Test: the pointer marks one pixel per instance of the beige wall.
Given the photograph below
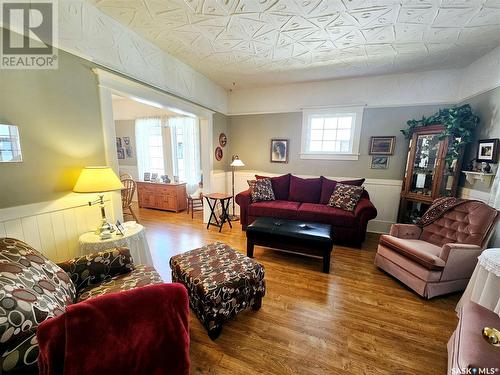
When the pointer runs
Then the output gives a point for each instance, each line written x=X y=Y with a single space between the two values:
x=487 y=106
x=250 y=137
x=220 y=125
x=126 y=128
x=59 y=120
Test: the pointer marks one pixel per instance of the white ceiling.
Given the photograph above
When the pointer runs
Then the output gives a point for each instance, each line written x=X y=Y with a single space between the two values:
x=264 y=42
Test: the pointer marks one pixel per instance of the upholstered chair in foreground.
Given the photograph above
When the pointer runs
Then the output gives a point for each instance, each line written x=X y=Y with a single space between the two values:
x=438 y=258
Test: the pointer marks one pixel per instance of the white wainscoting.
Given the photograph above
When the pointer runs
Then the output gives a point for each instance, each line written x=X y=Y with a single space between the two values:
x=53 y=227
x=383 y=193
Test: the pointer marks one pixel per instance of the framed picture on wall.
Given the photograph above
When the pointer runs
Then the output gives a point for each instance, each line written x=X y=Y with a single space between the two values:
x=279 y=150
x=379 y=162
x=222 y=140
x=487 y=150
x=382 y=145
x=121 y=153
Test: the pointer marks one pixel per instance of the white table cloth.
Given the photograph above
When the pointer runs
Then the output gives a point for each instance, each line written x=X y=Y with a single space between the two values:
x=134 y=238
x=484 y=285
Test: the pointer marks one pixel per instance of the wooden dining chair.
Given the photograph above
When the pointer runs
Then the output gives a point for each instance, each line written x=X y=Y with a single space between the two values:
x=194 y=204
x=127 y=195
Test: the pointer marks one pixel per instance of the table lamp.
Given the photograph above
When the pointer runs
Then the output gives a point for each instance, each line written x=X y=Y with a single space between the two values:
x=236 y=162
x=98 y=180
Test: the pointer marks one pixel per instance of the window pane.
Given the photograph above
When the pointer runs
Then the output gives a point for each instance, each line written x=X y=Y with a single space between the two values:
x=329 y=146
x=345 y=122
x=316 y=135
x=155 y=140
x=315 y=146
x=344 y=146
x=344 y=134
x=317 y=123
x=157 y=163
x=331 y=123
x=330 y=135
x=155 y=152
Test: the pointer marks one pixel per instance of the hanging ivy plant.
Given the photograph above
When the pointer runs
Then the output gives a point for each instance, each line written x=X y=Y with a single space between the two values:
x=459 y=124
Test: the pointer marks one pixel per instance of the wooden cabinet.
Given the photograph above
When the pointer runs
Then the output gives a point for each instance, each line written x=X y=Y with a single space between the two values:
x=428 y=174
x=169 y=197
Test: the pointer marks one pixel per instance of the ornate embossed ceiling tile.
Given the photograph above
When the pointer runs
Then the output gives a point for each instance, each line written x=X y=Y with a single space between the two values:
x=263 y=42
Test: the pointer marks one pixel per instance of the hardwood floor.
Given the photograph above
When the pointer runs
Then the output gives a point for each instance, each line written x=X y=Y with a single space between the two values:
x=355 y=320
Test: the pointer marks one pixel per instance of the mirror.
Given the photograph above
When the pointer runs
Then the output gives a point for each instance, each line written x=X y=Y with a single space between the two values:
x=10 y=147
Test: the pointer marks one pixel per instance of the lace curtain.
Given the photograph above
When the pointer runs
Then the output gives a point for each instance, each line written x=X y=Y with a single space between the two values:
x=495 y=202
x=146 y=155
x=185 y=133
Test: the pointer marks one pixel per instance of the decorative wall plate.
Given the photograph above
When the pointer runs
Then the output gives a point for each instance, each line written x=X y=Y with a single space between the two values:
x=222 y=139
x=218 y=154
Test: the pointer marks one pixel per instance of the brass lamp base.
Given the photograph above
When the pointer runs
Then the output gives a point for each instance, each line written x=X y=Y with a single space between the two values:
x=105 y=225
x=491 y=335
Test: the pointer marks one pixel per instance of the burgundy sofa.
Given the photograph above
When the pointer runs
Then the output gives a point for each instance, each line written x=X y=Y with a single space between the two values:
x=306 y=200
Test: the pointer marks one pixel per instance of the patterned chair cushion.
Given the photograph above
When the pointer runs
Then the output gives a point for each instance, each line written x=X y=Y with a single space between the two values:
x=32 y=289
x=261 y=190
x=95 y=268
x=220 y=281
x=141 y=276
x=346 y=197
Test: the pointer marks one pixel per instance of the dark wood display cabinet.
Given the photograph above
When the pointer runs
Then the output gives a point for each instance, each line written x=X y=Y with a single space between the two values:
x=428 y=174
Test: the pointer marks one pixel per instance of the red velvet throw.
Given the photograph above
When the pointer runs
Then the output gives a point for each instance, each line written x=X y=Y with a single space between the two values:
x=139 y=331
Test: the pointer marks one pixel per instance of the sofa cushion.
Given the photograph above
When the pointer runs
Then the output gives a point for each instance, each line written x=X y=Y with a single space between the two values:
x=419 y=251
x=328 y=186
x=261 y=190
x=33 y=288
x=346 y=197
x=281 y=209
x=281 y=186
x=305 y=190
x=320 y=213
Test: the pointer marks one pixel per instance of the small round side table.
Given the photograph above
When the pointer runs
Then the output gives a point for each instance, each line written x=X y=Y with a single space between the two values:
x=134 y=238
x=484 y=285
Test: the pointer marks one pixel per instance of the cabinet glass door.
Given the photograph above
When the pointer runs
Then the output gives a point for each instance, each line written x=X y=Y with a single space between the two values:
x=425 y=163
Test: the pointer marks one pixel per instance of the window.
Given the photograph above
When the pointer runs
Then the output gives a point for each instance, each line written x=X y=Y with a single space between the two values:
x=10 y=148
x=331 y=133
x=149 y=139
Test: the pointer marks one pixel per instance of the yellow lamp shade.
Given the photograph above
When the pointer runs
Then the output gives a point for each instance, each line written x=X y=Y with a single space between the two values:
x=97 y=180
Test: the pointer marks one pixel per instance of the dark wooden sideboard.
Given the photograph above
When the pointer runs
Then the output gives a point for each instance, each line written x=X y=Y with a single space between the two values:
x=169 y=197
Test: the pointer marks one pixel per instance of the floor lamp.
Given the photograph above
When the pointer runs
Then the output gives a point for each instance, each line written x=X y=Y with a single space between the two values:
x=236 y=162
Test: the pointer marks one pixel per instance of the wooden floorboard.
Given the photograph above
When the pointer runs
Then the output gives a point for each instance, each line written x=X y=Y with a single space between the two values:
x=355 y=320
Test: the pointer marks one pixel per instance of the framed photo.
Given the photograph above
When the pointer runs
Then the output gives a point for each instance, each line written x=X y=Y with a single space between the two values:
x=218 y=154
x=279 y=150
x=222 y=140
x=118 y=142
x=487 y=150
x=121 y=153
x=382 y=145
x=154 y=176
x=120 y=228
x=147 y=176
x=126 y=140
x=379 y=162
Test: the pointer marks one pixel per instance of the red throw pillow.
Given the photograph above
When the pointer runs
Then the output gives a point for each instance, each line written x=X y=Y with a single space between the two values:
x=305 y=190
x=281 y=186
x=346 y=197
x=328 y=186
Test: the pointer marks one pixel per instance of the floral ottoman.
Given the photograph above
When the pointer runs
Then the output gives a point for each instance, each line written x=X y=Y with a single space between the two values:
x=220 y=281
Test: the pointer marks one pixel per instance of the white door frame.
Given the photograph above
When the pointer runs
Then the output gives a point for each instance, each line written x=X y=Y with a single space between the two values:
x=110 y=83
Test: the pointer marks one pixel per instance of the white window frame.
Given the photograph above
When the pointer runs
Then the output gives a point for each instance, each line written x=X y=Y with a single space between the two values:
x=309 y=114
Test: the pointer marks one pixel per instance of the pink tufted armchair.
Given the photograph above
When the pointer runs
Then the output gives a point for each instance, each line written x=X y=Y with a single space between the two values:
x=438 y=258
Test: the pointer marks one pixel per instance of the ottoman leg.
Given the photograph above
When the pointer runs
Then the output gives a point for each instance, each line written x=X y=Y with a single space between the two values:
x=326 y=261
x=215 y=332
x=249 y=248
x=257 y=304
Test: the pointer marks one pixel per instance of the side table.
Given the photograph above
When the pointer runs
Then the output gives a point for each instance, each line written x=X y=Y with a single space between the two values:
x=212 y=200
x=484 y=285
x=134 y=238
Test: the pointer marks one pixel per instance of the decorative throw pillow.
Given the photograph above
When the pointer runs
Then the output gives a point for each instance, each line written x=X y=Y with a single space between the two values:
x=346 y=197
x=328 y=186
x=261 y=190
x=33 y=289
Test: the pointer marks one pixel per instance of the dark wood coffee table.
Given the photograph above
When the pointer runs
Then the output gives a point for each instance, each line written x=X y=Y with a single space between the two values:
x=292 y=235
